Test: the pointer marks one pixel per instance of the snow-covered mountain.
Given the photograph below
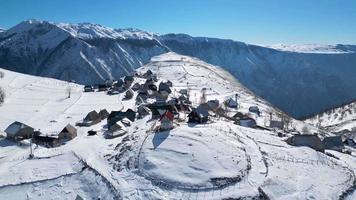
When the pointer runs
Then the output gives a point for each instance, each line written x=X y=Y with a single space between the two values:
x=314 y=48
x=217 y=160
x=301 y=84
x=340 y=120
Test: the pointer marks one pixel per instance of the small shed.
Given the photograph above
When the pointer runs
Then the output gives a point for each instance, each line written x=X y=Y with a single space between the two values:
x=18 y=131
x=247 y=122
x=102 y=87
x=308 y=140
x=68 y=133
x=231 y=103
x=254 y=109
x=198 y=115
x=88 y=88
x=350 y=142
x=129 y=94
x=333 y=143
x=276 y=124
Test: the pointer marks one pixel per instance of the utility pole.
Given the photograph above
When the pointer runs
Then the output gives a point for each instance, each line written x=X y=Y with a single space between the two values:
x=31 y=151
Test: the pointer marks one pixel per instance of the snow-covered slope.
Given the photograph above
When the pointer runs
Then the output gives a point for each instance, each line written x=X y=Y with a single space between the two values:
x=341 y=119
x=217 y=160
x=86 y=53
x=302 y=83
x=314 y=48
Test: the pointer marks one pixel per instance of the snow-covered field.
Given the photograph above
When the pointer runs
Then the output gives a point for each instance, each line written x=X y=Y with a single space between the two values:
x=216 y=160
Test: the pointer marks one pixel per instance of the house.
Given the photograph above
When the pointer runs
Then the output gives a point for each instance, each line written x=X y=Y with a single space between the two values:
x=116 y=116
x=142 y=111
x=276 y=124
x=45 y=140
x=92 y=118
x=129 y=94
x=231 y=103
x=102 y=87
x=152 y=87
x=103 y=114
x=118 y=83
x=136 y=87
x=213 y=104
x=19 y=131
x=88 y=88
x=116 y=130
x=148 y=74
x=164 y=87
x=198 y=115
x=333 y=143
x=254 y=109
x=113 y=92
x=238 y=116
x=68 y=133
x=247 y=122
x=167 y=121
x=128 y=80
x=308 y=140
x=158 y=108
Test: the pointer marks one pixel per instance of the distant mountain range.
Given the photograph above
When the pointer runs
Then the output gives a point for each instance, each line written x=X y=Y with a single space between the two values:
x=299 y=79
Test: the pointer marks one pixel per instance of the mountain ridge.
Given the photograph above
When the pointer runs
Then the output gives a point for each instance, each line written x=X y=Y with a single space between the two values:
x=299 y=83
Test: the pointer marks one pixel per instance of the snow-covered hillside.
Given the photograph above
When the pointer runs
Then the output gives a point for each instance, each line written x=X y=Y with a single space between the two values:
x=302 y=83
x=313 y=48
x=341 y=119
x=217 y=160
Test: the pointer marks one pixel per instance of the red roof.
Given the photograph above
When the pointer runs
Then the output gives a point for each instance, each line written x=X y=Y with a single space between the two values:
x=168 y=114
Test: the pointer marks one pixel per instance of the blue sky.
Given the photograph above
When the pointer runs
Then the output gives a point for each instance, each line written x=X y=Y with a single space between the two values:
x=252 y=21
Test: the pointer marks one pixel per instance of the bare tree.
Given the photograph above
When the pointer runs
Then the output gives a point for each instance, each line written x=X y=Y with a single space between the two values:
x=305 y=130
x=69 y=90
x=2 y=74
x=2 y=95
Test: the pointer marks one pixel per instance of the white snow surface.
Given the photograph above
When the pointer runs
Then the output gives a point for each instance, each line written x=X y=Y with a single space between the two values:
x=309 y=48
x=216 y=160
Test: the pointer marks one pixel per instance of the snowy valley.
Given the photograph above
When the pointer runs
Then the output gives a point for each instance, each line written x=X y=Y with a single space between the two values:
x=196 y=133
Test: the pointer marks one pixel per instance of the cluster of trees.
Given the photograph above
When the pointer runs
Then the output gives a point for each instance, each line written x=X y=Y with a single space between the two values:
x=2 y=92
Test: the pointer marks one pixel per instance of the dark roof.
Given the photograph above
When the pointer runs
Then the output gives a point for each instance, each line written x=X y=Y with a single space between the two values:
x=169 y=115
x=312 y=141
x=103 y=113
x=92 y=116
x=69 y=129
x=201 y=111
x=164 y=87
x=333 y=142
x=129 y=78
x=116 y=116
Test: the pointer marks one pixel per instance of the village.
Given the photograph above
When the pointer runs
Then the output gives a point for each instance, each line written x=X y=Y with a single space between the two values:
x=177 y=125
x=169 y=108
